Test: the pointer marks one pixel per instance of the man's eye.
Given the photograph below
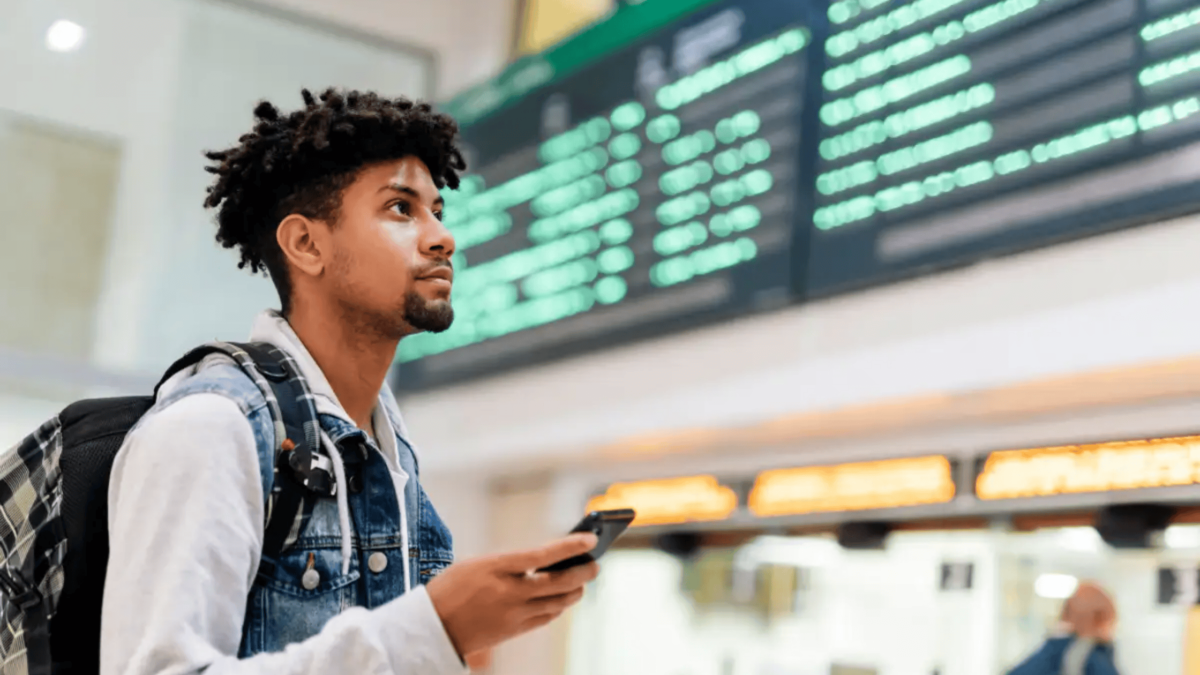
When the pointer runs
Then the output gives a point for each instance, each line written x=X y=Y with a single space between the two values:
x=438 y=214
x=402 y=208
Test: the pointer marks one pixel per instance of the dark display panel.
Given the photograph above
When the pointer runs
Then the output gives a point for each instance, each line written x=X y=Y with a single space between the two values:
x=957 y=129
x=757 y=153
x=659 y=188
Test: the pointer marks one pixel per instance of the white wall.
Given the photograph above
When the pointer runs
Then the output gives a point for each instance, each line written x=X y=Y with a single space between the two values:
x=463 y=501
x=1121 y=298
x=22 y=415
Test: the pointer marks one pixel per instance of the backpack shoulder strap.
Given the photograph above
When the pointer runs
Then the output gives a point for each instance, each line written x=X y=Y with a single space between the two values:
x=301 y=471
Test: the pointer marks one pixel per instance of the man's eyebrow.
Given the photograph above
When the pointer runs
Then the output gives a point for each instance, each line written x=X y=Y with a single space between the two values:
x=406 y=190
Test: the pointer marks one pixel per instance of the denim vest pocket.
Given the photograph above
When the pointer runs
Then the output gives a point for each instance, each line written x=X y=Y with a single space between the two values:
x=282 y=610
x=432 y=565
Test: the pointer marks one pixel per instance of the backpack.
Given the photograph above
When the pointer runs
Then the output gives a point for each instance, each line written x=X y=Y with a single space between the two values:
x=54 y=508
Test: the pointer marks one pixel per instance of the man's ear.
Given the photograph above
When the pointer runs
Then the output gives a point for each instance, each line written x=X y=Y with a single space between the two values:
x=300 y=240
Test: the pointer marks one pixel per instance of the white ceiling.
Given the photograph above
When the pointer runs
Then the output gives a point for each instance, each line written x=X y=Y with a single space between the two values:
x=472 y=38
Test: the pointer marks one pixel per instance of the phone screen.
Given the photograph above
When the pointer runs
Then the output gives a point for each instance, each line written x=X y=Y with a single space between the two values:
x=607 y=526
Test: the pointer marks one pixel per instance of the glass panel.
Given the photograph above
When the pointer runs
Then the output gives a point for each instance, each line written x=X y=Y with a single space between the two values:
x=57 y=192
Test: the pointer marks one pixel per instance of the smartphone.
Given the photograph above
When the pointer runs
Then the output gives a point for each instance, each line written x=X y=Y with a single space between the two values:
x=606 y=525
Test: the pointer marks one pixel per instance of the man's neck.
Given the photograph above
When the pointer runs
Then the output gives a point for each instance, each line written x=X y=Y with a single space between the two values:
x=355 y=364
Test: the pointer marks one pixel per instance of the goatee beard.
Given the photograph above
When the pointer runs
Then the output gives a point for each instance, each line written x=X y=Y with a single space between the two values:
x=431 y=316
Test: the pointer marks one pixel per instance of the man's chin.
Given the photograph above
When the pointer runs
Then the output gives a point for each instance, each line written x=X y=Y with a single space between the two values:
x=429 y=316
x=439 y=328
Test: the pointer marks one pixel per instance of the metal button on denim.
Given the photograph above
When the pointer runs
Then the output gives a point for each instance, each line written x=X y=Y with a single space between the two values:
x=377 y=562
x=310 y=579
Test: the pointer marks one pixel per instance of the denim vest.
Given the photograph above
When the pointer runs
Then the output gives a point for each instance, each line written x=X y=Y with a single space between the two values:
x=280 y=610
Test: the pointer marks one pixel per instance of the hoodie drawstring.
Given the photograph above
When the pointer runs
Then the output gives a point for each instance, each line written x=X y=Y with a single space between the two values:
x=339 y=474
x=343 y=502
x=404 y=540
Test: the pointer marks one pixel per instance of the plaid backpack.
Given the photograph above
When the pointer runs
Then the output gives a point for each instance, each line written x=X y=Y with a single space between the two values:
x=54 y=504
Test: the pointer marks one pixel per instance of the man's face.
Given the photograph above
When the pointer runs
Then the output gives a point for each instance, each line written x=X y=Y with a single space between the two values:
x=391 y=263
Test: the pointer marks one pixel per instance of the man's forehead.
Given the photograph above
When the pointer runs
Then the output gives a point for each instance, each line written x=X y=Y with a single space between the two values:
x=409 y=168
x=409 y=172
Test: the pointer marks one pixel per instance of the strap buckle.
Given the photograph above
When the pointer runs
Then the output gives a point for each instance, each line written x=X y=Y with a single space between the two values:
x=312 y=470
x=20 y=594
x=28 y=600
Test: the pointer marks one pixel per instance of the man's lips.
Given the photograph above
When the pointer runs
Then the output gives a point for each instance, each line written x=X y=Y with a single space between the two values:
x=443 y=273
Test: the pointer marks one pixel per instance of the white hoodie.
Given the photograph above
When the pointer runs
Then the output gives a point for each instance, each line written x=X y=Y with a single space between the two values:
x=186 y=526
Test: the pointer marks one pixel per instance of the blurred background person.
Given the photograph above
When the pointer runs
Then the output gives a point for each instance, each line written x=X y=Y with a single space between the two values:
x=1085 y=646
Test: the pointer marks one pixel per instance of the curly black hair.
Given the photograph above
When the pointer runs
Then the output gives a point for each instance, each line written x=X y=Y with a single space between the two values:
x=301 y=162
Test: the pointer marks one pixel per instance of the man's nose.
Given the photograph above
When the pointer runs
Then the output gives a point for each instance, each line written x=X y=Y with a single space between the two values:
x=437 y=239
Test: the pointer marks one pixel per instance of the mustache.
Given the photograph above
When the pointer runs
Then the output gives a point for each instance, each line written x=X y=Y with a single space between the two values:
x=443 y=263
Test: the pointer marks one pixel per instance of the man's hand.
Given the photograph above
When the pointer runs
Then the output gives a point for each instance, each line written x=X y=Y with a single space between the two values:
x=485 y=601
x=479 y=661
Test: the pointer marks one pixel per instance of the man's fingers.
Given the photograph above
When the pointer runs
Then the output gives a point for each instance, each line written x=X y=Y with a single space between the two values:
x=548 y=584
x=537 y=622
x=553 y=605
x=555 y=551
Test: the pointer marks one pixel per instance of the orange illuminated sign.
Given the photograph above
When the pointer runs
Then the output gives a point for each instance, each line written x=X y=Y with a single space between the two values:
x=669 y=501
x=853 y=487
x=1071 y=469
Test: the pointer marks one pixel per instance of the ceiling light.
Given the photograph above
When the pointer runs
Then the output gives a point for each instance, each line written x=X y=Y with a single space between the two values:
x=64 y=36
x=1182 y=536
x=1055 y=586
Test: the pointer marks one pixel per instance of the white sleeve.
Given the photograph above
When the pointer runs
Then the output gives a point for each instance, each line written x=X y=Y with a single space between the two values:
x=186 y=527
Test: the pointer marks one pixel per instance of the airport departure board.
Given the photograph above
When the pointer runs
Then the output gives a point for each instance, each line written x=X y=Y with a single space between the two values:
x=655 y=189
x=955 y=129
x=741 y=155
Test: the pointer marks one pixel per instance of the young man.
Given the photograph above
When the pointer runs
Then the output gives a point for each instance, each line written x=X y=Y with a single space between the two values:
x=339 y=203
